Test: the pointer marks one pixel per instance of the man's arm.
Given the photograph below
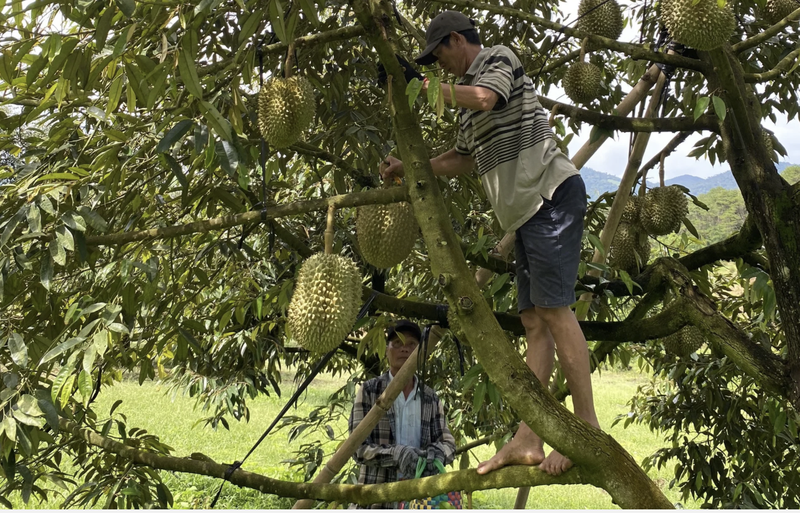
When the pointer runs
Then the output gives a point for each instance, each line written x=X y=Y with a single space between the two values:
x=443 y=445
x=449 y=163
x=469 y=97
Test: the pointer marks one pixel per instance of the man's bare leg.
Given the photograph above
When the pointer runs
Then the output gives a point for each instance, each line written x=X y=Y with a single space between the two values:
x=573 y=354
x=526 y=448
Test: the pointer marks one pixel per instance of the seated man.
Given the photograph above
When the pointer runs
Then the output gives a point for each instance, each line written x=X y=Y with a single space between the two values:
x=414 y=426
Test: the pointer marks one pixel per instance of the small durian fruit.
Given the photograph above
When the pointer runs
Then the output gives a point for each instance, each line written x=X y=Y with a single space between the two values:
x=632 y=208
x=582 y=82
x=699 y=24
x=605 y=20
x=683 y=342
x=325 y=304
x=386 y=233
x=663 y=210
x=285 y=109
x=630 y=249
x=779 y=9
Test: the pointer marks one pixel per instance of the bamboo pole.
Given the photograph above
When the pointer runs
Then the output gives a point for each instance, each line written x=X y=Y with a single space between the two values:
x=368 y=423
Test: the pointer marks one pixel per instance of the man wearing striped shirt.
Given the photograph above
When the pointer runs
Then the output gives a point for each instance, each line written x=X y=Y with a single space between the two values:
x=534 y=190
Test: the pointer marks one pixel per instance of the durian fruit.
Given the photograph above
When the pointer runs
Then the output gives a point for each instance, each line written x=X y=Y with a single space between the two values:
x=605 y=20
x=326 y=300
x=663 y=210
x=632 y=208
x=684 y=342
x=630 y=248
x=285 y=109
x=582 y=82
x=779 y=9
x=386 y=233
x=702 y=25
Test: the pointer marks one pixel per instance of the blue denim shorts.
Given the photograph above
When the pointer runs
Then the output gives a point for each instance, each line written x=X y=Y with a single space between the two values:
x=548 y=248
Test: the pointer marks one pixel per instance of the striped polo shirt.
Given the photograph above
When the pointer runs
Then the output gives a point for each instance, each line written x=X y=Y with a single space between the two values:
x=517 y=158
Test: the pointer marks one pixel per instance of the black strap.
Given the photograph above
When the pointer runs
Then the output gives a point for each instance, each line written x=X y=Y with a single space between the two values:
x=316 y=370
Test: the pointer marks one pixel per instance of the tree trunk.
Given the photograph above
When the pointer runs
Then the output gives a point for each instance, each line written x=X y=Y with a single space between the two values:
x=769 y=199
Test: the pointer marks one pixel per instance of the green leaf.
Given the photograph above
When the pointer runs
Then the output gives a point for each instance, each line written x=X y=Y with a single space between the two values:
x=310 y=11
x=177 y=172
x=215 y=120
x=276 y=19
x=595 y=240
x=434 y=91
x=690 y=227
x=33 y=71
x=103 y=25
x=719 y=107
x=57 y=252
x=206 y=5
x=61 y=349
x=412 y=91
x=34 y=219
x=74 y=221
x=66 y=391
x=65 y=238
x=228 y=157
x=10 y=227
x=10 y=427
x=701 y=106
x=49 y=411
x=126 y=6
x=188 y=70
x=626 y=279
x=174 y=134
x=85 y=385
x=60 y=380
x=94 y=219
x=480 y=394
x=19 y=351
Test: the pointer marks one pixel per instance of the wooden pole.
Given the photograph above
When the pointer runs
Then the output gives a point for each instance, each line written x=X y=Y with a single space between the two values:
x=368 y=423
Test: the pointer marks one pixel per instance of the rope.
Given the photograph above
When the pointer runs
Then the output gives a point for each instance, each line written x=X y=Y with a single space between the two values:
x=316 y=370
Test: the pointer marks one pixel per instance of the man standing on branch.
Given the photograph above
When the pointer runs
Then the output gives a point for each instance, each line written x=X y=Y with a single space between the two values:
x=536 y=191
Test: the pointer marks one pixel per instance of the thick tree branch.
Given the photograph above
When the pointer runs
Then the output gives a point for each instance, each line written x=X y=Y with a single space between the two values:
x=626 y=124
x=782 y=67
x=355 y=199
x=767 y=34
x=632 y=50
x=467 y=480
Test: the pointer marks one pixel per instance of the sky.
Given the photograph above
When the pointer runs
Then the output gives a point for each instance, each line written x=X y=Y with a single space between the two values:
x=613 y=155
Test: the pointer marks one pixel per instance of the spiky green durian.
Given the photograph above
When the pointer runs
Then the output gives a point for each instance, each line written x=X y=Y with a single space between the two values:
x=779 y=9
x=582 y=82
x=630 y=249
x=663 y=210
x=386 y=233
x=684 y=342
x=632 y=208
x=325 y=304
x=699 y=24
x=285 y=109
x=605 y=20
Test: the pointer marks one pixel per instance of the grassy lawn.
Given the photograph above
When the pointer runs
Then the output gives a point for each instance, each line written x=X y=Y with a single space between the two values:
x=172 y=418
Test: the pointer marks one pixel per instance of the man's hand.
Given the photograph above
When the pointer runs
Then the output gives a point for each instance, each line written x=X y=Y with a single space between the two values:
x=392 y=168
x=408 y=71
x=406 y=458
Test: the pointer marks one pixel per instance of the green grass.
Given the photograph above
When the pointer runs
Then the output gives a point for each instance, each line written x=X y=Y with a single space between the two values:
x=172 y=419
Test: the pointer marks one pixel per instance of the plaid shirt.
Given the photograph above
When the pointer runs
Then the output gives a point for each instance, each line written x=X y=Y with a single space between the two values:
x=374 y=455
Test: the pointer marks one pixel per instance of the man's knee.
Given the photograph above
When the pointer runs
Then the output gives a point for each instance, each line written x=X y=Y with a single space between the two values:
x=550 y=316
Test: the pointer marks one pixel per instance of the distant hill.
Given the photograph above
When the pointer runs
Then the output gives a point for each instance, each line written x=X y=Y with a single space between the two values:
x=597 y=182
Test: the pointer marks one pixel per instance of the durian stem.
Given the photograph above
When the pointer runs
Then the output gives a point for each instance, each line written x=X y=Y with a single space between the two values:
x=553 y=113
x=584 y=44
x=288 y=66
x=661 y=170
x=329 y=230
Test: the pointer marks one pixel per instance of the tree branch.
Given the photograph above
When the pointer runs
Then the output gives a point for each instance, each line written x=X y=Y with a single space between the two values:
x=767 y=34
x=671 y=146
x=782 y=67
x=355 y=199
x=626 y=124
x=632 y=50
x=467 y=480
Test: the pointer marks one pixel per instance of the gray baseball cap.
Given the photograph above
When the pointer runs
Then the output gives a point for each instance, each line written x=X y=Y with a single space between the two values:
x=440 y=28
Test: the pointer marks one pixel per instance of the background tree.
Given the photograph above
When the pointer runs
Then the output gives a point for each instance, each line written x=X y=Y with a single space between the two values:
x=146 y=228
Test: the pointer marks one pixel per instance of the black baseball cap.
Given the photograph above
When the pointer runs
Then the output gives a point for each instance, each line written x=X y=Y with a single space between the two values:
x=403 y=326
x=440 y=28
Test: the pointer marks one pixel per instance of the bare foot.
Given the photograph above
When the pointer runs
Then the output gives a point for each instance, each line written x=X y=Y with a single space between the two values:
x=524 y=449
x=556 y=463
